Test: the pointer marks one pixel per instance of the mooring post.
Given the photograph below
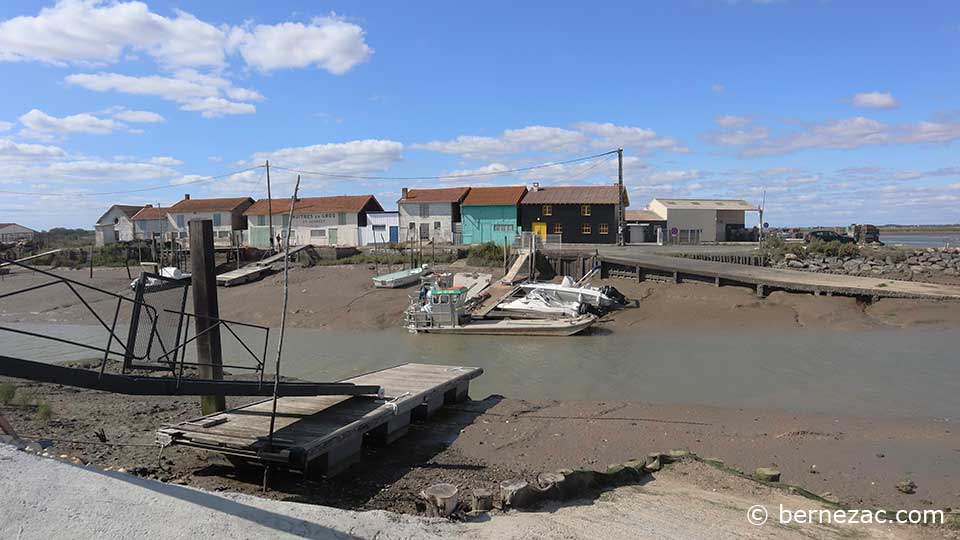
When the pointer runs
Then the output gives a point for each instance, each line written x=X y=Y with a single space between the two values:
x=204 y=281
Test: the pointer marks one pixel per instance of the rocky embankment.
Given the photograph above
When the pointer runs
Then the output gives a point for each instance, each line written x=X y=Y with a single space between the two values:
x=919 y=264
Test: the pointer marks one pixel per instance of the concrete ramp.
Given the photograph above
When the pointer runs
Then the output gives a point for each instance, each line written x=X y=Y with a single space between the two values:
x=518 y=271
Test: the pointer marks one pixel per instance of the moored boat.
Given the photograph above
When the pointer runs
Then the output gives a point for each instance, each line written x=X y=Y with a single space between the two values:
x=401 y=278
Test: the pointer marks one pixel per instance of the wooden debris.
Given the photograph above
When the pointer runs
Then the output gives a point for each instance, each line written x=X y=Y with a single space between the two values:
x=441 y=499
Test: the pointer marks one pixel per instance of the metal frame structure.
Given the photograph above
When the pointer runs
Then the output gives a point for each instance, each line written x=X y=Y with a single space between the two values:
x=169 y=358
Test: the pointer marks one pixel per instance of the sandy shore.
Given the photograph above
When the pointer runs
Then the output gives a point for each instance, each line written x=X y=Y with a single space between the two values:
x=343 y=298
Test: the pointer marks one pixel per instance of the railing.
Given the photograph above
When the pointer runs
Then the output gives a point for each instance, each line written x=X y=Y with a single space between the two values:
x=159 y=325
x=544 y=242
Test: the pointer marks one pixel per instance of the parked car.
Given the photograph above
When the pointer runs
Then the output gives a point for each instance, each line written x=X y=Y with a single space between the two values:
x=828 y=236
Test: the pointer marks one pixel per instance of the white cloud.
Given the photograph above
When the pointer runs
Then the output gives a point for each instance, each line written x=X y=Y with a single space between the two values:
x=468 y=145
x=139 y=117
x=738 y=137
x=329 y=43
x=193 y=90
x=874 y=100
x=349 y=158
x=92 y=32
x=613 y=136
x=511 y=141
x=39 y=122
x=215 y=159
x=93 y=170
x=102 y=32
x=11 y=151
x=165 y=160
x=718 y=88
x=731 y=121
x=669 y=177
x=98 y=32
x=5 y=126
x=487 y=171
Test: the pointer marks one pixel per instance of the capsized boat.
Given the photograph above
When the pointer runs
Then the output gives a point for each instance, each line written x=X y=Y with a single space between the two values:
x=401 y=278
x=443 y=311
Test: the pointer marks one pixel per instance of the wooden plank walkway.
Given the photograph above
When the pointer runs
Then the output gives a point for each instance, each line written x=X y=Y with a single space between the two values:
x=242 y=275
x=279 y=256
x=323 y=434
x=766 y=280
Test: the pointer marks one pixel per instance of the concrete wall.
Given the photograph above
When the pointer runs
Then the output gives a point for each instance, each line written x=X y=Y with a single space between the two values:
x=378 y=227
x=113 y=227
x=492 y=223
x=439 y=219
x=320 y=229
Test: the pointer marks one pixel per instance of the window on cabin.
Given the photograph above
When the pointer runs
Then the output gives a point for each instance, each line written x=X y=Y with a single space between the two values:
x=341 y=218
x=318 y=233
x=585 y=228
x=223 y=234
x=604 y=229
x=216 y=219
x=547 y=210
x=261 y=220
x=285 y=219
x=424 y=210
x=436 y=225
x=585 y=210
x=379 y=228
x=557 y=228
x=180 y=221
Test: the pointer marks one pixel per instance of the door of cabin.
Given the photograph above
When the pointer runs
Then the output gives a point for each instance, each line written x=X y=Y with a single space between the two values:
x=332 y=237
x=540 y=229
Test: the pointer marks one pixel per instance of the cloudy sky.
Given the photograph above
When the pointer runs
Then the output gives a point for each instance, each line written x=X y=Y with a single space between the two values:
x=840 y=111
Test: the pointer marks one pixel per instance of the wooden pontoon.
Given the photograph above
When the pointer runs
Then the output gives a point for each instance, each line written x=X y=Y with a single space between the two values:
x=323 y=434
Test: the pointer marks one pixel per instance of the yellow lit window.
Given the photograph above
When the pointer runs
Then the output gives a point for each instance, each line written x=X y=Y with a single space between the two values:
x=557 y=228
x=585 y=228
x=584 y=209
x=547 y=210
x=604 y=229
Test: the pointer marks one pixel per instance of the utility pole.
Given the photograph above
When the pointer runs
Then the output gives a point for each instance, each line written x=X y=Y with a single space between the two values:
x=270 y=208
x=207 y=311
x=620 y=209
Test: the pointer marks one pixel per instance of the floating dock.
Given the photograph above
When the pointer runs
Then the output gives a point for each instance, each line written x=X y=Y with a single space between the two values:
x=324 y=434
x=255 y=271
x=766 y=280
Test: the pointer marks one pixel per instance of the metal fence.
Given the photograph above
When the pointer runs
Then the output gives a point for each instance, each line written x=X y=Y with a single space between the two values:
x=543 y=242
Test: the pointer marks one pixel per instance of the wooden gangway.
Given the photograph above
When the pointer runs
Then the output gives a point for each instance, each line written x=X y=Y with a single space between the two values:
x=644 y=266
x=257 y=270
x=324 y=434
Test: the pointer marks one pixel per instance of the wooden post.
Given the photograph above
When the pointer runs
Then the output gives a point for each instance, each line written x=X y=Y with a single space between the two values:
x=91 y=262
x=204 y=278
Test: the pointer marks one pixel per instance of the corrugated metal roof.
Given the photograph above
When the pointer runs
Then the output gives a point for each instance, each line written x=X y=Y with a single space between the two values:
x=150 y=213
x=314 y=205
x=707 y=204
x=575 y=195
x=447 y=195
x=643 y=215
x=209 y=205
x=498 y=196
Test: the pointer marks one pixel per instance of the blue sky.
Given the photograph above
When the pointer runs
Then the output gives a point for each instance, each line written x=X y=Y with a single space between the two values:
x=840 y=111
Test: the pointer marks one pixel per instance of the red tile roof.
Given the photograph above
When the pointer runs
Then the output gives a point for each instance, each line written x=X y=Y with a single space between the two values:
x=209 y=205
x=441 y=195
x=150 y=213
x=313 y=205
x=574 y=195
x=496 y=196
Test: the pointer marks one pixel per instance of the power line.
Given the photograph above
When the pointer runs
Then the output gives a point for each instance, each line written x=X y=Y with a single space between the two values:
x=447 y=176
x=141 y=190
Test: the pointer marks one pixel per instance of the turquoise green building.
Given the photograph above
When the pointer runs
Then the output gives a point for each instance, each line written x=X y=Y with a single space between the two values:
x=489 y=214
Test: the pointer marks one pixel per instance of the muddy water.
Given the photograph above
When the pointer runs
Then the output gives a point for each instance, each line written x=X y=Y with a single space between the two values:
x=881 y=373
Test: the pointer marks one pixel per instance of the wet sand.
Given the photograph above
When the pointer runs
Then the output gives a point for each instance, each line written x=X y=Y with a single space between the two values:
x=857 y=459
x=343 y=298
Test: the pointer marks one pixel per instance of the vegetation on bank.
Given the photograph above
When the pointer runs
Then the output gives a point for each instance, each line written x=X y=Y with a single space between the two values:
x=775 y=249
x=487 y=254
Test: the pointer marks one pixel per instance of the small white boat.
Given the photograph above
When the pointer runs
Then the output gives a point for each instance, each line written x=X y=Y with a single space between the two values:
x=401 y=278
x=442 y=311
x=168 y=272
x=537 y=303
x=515 y=327
x=562 y=293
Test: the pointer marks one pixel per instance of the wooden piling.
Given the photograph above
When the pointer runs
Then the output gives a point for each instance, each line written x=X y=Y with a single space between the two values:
x=207 y=310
